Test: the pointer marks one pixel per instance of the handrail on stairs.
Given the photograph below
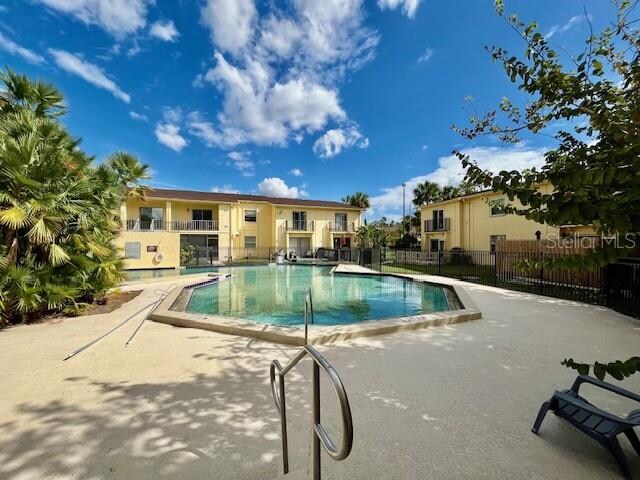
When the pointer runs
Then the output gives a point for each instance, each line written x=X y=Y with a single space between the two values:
x=277 y=374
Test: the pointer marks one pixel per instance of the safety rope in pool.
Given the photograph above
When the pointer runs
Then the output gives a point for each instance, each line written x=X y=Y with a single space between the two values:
x=207 y=282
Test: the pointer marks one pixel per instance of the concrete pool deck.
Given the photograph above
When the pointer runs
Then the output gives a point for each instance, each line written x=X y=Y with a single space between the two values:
x=455 y=402
x=172 y=312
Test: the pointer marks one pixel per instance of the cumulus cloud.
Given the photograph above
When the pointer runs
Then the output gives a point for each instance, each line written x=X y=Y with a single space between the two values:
x=88 y=71
x=296 y=172
x=231 y=22
x=450 y=172
x=572 y=22
x=278 y=72
x=426 y=55
x=242 y=162
x=13 y=48
x=169 y=135
x=226 y=188
x=276 y=187
x=164 y=30
x=335 y=140
x=141 y=117
x=408 y=7
x=118 y=17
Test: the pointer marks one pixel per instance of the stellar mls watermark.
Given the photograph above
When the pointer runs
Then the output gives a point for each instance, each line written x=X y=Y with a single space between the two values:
x=590 y=242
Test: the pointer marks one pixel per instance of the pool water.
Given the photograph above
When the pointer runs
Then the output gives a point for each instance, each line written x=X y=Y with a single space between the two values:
x=275 y=295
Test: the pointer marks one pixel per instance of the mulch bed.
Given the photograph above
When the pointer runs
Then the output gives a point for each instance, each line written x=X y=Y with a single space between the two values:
x=114 y=300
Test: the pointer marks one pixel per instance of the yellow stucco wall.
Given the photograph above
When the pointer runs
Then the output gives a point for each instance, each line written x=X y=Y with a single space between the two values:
x=232 y=230
x=471 y=222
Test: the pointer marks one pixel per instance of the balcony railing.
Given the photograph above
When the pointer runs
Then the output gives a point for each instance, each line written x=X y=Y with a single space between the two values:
x=348 y=227
x=135 y=224
x=194 y=225
x=441 y=225
x=299 y=226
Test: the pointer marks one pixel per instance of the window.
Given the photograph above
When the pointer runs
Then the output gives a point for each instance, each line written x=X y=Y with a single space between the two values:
x=495 y=239
x=497 y=207
x=200 y=214
x=299 y=220
x=250 y=242
x=151 y=218
x=250 y=215
x=438 y=220
x=341 y=222
x=132 y=250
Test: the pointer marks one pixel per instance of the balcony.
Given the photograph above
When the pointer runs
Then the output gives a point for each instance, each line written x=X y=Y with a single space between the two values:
x=441 y=225
x=344 y=227
x=299 y=226
x=137 y=225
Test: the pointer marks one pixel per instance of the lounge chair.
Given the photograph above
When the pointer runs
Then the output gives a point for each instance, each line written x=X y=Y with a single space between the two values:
x=598 y=424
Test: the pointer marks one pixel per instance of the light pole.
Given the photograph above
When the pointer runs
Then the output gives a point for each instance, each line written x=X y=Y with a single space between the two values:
x=403 y=205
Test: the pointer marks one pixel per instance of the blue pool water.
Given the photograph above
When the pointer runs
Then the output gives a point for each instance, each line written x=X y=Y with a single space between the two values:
x=275 y=295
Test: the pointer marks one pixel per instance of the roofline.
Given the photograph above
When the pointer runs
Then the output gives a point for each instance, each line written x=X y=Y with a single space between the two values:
x=249 y=198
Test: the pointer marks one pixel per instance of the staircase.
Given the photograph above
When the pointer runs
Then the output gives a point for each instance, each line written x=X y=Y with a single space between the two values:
x=321 y=437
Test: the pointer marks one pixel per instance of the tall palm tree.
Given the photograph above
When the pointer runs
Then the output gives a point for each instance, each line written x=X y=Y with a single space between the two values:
x=358 y=199
x=426 y=192
x=450 y=192
x=58 y=213
x=130 y=171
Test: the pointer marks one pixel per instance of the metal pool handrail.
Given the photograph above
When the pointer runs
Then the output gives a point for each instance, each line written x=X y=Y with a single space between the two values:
x=308 y=312
x=320 y=434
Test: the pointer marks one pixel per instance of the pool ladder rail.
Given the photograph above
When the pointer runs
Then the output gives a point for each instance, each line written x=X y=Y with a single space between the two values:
x=320 y=435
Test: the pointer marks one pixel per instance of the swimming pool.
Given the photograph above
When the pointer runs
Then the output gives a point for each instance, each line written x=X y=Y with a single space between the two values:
x=275 y=295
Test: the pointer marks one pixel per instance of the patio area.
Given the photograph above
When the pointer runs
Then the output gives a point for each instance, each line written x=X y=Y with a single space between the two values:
x=454 y=401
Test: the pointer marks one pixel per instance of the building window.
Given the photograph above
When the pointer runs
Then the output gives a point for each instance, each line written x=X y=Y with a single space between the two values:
x=200 y=214
x=151 y=218
x=494 y=240
x=132 y=250
x=250 y=215
x=250 y=242
x=497 y=207
x=341 y=222
x=299 y=220
x=438 y=220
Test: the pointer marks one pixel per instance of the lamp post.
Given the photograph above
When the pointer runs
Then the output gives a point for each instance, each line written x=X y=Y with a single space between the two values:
x=403 y=204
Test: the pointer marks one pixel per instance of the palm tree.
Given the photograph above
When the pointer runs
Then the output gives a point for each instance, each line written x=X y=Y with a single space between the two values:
x=450 y=192
x=426 y=192
x=58 y=213
x=130 y=171
x=358 y=199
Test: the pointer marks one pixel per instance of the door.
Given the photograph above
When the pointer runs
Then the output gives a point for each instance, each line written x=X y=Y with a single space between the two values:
x=300 y=221
x=336 y=243
x=437 y=245
x=300 y=246
x=151 y=218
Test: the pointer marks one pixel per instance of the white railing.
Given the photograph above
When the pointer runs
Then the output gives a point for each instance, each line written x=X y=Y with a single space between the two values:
x=349 y=227
x=135 y=224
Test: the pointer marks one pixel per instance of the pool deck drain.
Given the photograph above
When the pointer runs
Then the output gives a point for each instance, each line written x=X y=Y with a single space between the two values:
x=171 y=311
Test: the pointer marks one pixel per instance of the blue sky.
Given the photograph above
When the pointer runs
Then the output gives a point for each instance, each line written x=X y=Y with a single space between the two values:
x=292 y=98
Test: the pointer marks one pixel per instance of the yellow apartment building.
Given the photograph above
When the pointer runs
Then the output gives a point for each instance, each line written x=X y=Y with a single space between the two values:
x=224 y=226
x=476 y=222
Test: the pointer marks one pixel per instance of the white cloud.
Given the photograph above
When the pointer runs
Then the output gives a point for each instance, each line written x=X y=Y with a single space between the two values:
x=276 y=187
x=164 y=30
x=337 y=139
x=572 y=22
x=118 y=17
x=141 y=117
x=13 y=48
x=169 y=135
x=278 y=72
x=451 y=172
x=426 y=56
x=408 y=7
x=226 y=188
x=231 y=22
x=296 y=172
x=87 y=71
x=242 y=162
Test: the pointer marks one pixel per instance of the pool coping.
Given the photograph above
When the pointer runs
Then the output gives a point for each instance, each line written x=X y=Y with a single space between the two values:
x=167 y=313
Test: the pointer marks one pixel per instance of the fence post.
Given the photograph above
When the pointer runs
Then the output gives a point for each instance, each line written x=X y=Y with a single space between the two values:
x=440 y=255
x=541 y=279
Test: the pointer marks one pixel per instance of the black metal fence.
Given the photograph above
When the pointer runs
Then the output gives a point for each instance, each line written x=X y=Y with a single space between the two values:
x=616 y=285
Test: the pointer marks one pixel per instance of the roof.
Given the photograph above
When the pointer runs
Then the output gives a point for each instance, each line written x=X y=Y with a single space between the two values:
x=238 y=197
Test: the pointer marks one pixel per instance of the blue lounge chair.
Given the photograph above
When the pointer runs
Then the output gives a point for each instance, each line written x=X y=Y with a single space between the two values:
x=598 y=424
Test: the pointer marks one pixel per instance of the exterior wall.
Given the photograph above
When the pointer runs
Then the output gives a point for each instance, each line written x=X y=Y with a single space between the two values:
x=232 y=230
x=471 y=223
x=168 y=244
x=321 y=236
